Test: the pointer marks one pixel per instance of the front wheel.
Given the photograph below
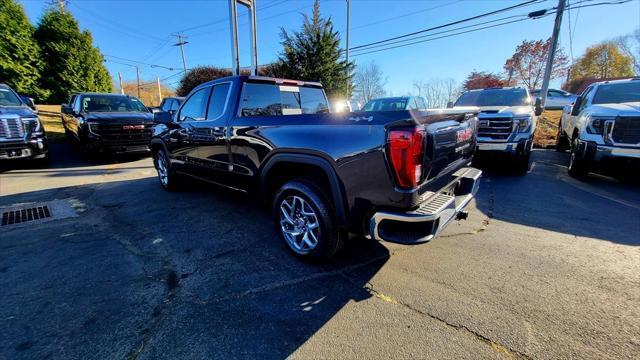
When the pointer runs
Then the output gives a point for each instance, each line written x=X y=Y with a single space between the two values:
x=562 y=142
x=578 y=167
x=167 y=177
x=305 y=221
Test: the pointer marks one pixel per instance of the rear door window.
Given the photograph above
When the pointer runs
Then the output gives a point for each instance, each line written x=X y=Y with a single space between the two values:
x=218 y=101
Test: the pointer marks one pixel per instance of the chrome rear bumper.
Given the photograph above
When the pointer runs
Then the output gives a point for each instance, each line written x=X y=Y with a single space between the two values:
x=433 y=215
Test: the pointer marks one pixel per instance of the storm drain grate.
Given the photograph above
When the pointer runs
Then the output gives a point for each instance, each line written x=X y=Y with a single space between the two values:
x=24 y=215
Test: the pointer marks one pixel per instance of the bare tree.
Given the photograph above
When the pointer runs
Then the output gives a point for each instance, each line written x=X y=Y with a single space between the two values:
x=630 y=46
x=437 y=92
x=369 y=82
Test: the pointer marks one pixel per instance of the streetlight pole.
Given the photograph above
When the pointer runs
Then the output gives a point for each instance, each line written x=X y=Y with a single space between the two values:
x=347 y=51
x=552 y=51
x=138 y=78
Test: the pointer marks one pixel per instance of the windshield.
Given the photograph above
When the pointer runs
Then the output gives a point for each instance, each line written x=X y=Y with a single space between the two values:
x=388 y=104
x=8 y=97
x=111 y=103
x=494 y=97
x=617 y=93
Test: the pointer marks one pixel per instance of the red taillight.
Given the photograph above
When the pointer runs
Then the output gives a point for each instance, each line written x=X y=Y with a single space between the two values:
x=406 y=152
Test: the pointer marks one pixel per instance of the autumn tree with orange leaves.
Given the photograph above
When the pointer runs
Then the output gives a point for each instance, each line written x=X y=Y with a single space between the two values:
x=529 y=61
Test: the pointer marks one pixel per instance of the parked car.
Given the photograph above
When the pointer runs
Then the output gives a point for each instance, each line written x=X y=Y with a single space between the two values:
x=506 y=123
x=169 y=104
x=325 y=174
x=111 y=123
x=602 y=128
x=396 y=103
x=556 y=99
x=22 y=134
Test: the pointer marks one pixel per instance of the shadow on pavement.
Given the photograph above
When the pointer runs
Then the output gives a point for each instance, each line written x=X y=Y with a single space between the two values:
x=143 y=273
x=548 y=198
x=64 y=155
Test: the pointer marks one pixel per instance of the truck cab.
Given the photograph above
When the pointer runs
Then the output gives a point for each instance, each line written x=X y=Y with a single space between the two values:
x=602 y=128
x=506 y=121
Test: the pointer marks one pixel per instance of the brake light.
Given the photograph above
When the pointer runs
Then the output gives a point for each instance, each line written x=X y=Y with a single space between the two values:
x=406 y=153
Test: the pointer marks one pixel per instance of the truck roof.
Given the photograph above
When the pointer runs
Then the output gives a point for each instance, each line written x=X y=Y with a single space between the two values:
x=618 y=81
x=267 y=79
x=497 y=88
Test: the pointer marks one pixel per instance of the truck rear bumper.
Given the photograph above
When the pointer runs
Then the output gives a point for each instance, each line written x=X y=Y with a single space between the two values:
x=433 y=215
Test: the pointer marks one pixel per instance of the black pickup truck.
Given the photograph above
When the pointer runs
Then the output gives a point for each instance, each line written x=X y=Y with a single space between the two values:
x=111 y=123
x=397 y=176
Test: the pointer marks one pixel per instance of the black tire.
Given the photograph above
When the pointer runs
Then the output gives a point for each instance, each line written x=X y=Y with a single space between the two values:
x=562 y=141
x=522 y=163
x=329 y=240
x=578 y=167
x=169 y=180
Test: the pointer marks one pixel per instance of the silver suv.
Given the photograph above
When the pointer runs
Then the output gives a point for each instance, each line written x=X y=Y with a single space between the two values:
x=506 y=122
x=602 y=128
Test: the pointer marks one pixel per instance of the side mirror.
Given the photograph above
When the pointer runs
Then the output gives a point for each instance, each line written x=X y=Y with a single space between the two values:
x=567 y=109
x=29 y=101
x=449 y=104
x=575 y=110
x=538 y=107
x=65 y=109
x=162 y=117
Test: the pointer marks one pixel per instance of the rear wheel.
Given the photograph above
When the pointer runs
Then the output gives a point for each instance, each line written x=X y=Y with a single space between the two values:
x=304 y=219
x=578 y=167
x=167 y=177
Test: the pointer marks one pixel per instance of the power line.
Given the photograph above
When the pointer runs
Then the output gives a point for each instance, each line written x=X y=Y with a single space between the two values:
x=448 y=24
x=406 y=15
x=170 y=68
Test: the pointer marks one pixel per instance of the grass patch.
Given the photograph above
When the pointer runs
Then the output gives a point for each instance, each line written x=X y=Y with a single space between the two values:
x=50 y=117
x=547 y=128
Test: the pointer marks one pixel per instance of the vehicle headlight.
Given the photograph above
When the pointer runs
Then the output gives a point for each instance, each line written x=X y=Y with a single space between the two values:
x=524 y=123
x=595 y=124
x=32 y=124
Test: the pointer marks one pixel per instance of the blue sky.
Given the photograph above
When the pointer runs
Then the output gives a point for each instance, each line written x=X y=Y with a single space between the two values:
x=142 y=31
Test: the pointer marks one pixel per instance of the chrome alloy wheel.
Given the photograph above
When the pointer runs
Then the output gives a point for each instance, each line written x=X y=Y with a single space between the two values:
x=299 y=224
x=163 y=169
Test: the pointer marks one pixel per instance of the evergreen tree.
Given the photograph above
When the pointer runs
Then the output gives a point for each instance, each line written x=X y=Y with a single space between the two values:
x=72 y=63
x=314 y=54
x=19 y=54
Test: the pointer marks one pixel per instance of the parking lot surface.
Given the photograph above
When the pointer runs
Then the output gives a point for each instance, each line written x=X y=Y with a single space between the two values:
x=546 y=267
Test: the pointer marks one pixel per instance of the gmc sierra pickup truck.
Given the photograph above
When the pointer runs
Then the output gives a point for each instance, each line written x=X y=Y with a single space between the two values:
x=111 y=123
x=398 y=176
x=602 y=128
x=22 y=135
x=506 y=123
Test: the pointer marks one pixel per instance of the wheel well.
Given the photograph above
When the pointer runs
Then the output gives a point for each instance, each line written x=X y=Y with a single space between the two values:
x=155 y=147
x=285 y=171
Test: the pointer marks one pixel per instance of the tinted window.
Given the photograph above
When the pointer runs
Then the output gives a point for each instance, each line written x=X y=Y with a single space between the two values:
x=111 y=103
x=196 y=106
x=617 y=93
x=268 y=99
x=555 y=93
x=313 y=101
x=387 y=104
x=218 y=101
x=494 y=97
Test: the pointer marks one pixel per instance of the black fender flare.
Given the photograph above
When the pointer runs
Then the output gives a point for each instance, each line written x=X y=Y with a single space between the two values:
x=337 y=192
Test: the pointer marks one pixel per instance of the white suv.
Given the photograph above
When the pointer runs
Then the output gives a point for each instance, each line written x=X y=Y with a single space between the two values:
x=602 y=128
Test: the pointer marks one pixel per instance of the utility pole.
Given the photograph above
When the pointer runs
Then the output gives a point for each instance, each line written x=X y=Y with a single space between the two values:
x=552 y=51
x=138 y=77
x=159 y=90
x=347 y=50
x=181 y=42
x=253 y=26
x=120 y=78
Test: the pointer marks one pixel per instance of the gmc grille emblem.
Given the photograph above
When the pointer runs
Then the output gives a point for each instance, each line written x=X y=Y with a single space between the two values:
x=464 y=135
x=132 y=127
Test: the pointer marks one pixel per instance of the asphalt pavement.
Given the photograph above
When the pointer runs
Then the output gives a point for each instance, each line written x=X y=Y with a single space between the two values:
x=546 y=266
